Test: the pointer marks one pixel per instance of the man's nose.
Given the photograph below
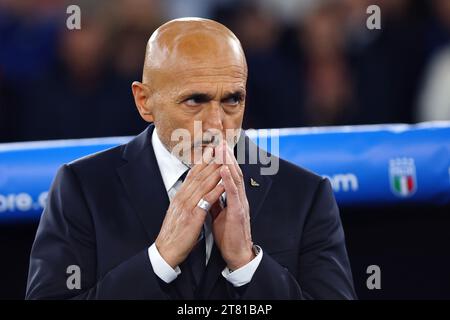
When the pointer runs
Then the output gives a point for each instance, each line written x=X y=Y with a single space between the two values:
x=214 y=116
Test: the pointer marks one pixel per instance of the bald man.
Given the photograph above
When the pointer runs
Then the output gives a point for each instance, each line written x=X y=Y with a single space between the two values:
x=168 y=218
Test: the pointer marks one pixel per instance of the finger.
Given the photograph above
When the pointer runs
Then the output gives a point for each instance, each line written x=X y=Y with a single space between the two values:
x=204 y=187
x=193 y=179
x=220 y=153
x=232 y=164
x=233 y=200
x=235 y=162
x=191 y=191
x=223 y=154
x=195 y=175
x=207 y=157
x=236 y=172
x=212 y=196
x=201 y=171
x=216 y=208
x=208 y=154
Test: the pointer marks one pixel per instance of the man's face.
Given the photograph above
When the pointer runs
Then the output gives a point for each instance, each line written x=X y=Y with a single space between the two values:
x=210 y=93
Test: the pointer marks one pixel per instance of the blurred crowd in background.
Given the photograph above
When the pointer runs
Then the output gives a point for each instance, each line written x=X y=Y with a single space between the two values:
x=311 y=62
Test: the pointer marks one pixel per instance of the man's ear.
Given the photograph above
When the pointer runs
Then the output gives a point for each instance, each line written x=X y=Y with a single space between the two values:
x=142 y=95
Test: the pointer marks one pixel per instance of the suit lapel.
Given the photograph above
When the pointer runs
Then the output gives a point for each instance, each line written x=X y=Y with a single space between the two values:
x=143 y=183
x=256 y=185
x=144 y=187
x=256 y=188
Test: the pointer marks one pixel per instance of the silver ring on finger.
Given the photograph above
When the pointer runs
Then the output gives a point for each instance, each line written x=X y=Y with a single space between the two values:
x=205 y=205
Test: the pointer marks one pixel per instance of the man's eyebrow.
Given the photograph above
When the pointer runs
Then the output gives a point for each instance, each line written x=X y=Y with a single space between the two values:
x=234 y=94
x=202 y=96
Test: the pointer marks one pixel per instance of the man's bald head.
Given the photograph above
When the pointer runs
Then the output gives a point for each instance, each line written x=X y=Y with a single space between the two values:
x=194 y=72
x=191 y=43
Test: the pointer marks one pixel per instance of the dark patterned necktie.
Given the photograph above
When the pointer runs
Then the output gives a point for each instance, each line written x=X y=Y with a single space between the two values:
x=197 y=259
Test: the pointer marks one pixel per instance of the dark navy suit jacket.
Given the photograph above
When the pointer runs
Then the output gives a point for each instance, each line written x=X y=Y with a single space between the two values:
x=105 y=210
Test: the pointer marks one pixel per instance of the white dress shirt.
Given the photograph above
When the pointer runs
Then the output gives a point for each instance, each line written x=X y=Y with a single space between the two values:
x=172 y=169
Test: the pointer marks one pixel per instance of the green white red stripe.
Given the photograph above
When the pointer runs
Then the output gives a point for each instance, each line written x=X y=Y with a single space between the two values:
x=403 y=185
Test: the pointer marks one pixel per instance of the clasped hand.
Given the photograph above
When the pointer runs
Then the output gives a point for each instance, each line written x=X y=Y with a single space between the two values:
x=230 y=225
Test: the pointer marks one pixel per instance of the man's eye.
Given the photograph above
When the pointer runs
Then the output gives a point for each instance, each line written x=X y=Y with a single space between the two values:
x=196 y=100
x=193 y=102
x=232 y=101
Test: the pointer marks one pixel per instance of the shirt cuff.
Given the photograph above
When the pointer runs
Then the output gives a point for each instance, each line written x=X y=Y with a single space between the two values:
x=244 y=274
x=161 y=268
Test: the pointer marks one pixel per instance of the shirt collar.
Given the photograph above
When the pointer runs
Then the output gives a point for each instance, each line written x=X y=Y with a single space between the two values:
x=171 y=167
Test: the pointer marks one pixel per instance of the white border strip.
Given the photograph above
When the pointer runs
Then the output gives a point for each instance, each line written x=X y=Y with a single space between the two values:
x=32 y=145
x=396 y=128
x=252 y=133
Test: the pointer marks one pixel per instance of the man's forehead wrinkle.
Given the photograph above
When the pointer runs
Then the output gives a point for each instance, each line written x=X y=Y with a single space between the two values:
x=209 y=79
x=205 y=71
x=236 y=78
x=200 y=82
